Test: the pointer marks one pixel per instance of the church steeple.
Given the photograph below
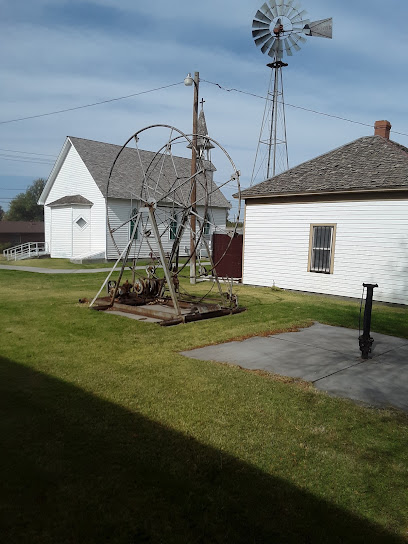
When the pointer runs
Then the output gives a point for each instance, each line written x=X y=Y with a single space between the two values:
x=202 y=142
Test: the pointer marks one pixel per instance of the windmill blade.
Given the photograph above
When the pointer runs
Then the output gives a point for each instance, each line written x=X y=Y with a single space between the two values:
x=261 y=17
x=299 y=17
x=287 y=7
x=259 y=25
x=280 y=50
x=296 y=8
x=320 y=29
x=274 y=10
x=261 y=41
x=265 y=9
x=293 y=43
x=279 y=7
x=298 y=37
x=273 y=51
x=267 y=45
x=300 y=21
x=287 y=48
x=261 y=33
x=301 y=24
x=292 y=14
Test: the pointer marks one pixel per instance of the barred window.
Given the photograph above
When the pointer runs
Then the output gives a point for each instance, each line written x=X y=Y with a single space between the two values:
x=207 y=225
x=173 y=227
x=322 y=248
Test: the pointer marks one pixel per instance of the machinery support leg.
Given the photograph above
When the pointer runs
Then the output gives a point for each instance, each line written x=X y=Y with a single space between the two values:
x=164 y=262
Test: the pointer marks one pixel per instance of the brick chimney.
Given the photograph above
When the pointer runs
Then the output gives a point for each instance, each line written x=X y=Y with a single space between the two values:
x=382 y=128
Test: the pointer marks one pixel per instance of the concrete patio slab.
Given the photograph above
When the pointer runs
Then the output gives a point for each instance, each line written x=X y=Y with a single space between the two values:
x=340 y=340
x=330 y=358
x=275 y=354
x=374 y=384
x=136 y=317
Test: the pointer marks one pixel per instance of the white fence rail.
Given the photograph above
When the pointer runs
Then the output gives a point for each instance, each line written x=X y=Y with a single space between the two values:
x=26 y=251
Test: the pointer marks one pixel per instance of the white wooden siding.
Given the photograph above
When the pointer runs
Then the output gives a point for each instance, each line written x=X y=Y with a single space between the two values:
x=74 y=178
x=61 y=233
x=119 y=213
x=371 y=247
x=47 y=226
x=81 y=235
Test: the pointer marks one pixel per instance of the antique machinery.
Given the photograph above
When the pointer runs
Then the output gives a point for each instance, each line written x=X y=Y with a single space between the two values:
x=159 y=187
x=278 y=28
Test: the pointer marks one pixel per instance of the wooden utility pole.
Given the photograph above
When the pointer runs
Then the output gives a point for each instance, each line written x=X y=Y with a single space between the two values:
x=193 y=182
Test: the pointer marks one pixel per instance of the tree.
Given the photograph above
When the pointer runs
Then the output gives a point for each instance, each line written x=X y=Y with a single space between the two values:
x=24 y=206
x=1 y=213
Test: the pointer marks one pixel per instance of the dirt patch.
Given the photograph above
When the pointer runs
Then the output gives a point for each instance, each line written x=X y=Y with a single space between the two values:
x=261 y=334
x=303 y=384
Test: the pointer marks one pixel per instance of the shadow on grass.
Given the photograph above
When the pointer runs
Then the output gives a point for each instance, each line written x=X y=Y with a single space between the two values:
x=78 y=469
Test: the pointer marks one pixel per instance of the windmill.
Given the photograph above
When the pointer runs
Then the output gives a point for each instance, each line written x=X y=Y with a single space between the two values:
x=279 y=27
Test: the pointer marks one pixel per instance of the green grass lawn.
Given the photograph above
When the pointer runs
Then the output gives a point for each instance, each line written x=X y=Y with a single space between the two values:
x=109 y=435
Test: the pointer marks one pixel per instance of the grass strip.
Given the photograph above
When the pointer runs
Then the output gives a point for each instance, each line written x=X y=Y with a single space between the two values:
x=109 y=435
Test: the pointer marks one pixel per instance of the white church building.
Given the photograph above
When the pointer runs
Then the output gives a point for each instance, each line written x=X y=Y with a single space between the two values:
x=78 y=201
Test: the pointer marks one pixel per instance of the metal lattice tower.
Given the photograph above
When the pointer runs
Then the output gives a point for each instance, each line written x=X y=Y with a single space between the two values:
x=272 y=151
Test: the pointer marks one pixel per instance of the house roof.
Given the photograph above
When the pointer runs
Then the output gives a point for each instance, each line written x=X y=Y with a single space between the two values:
x=371 y=163
x=71 y=200
x=128 y=176
x=13 y=227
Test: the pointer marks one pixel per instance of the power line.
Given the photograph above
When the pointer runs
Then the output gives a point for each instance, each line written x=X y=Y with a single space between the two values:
x=28 y=152
x=28 y=161
x=89 y=105
x=17 y=157
x=298 y=107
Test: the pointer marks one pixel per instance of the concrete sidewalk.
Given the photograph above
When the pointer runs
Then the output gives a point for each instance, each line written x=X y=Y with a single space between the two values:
x=61 y=270
x=64 y=270
x=54 y=270
x=329 y=357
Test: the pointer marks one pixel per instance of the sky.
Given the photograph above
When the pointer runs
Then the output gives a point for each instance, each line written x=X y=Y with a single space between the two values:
x=58 y=54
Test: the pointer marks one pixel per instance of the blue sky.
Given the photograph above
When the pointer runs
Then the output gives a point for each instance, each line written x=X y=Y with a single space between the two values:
x=59 y=54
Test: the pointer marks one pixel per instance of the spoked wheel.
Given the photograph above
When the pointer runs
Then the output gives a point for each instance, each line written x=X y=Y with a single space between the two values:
x=164 y=179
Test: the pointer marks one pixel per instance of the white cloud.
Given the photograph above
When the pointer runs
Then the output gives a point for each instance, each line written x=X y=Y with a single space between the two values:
x=47 y=67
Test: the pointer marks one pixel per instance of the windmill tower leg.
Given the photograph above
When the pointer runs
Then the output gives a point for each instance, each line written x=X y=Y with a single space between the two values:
x=272 y=151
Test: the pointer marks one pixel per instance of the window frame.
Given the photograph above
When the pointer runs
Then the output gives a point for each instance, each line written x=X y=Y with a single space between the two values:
x=173 y=227
x=133 y=212
x=332 y=247
x=79 y=218
x=207 y=225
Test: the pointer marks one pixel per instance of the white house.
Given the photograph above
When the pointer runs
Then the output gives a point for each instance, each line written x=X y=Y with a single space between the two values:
x=333 y=223
x=78 y=201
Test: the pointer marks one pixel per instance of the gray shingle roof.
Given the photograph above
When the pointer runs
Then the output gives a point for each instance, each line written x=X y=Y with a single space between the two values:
x=367 y=164
x=127 y=179
x=71 y=200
